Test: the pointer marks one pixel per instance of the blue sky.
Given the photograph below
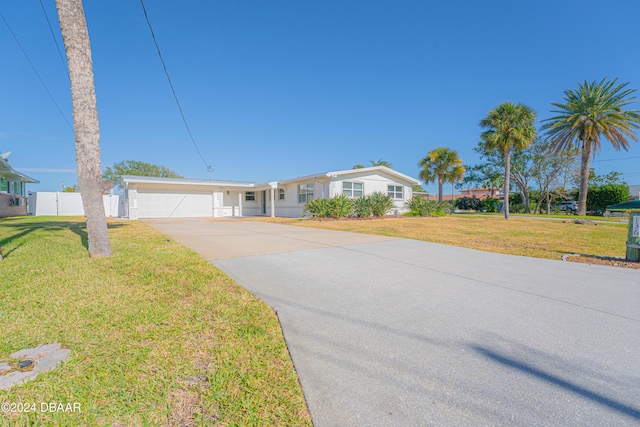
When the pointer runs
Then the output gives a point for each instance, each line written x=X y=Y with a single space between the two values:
x=278 y=89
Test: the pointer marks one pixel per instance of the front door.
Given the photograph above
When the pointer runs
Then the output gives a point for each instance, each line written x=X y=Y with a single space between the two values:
x=264 y=202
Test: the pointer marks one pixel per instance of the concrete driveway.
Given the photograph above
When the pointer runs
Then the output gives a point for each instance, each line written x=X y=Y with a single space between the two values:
x=396 y=332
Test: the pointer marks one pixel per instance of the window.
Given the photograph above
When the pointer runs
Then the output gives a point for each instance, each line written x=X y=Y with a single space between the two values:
x=395 y=191
x=250 y=195
x=305 y=193
x=353 y=189
x=281 y=194
x=3 y=185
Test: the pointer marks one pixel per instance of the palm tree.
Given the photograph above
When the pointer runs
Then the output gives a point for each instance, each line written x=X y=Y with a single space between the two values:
x=438 y=165
x=85 y=120
x=454 y=175
x=509 y=126
x=381 y=162
x=589 y=112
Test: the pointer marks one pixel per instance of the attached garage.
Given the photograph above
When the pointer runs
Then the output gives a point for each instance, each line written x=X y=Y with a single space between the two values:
x=174 y=203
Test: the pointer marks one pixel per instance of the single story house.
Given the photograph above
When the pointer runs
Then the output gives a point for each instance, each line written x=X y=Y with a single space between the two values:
x=13 y=189
x=148 y=197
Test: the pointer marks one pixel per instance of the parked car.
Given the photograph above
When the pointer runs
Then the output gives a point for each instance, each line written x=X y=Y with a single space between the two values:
x=569 y=207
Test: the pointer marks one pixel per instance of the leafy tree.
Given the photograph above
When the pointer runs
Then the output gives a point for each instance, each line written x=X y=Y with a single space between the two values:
x=135 y=168
x=86 y=127
x=606 y=190
x=73 y=189
x=358 y=166
x=417 y=188
x=509 y=127
x=592 y=111
x=546 y=168
x=440 y=164
x=380 y=162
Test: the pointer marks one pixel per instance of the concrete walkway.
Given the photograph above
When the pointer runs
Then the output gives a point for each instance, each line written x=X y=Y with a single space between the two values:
x=398 y=332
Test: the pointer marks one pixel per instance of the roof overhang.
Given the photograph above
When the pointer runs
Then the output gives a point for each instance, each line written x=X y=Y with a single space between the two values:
x=10 y=174
x=129 y=179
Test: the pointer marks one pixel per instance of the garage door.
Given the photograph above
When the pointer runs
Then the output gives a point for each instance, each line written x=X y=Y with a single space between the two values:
x=174 y=203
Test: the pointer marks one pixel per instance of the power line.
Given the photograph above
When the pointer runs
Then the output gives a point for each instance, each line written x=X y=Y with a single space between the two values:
x=620 y=158
x=36 y=71
x=64 y=63
x=172 y=88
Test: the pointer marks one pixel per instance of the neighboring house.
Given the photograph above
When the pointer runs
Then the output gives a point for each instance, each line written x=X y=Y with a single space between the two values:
x=13 y=189
x=634 y=190
x=147 y=197
x=480 y=193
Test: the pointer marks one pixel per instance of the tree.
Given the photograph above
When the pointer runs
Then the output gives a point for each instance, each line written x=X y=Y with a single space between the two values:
x=439 y=164
x=86 y=127
x=454 y=175
x=135 y=168
x=509 y=126
x=592 y=111
x=546 y=168
x=380 y=162
x=358 y=166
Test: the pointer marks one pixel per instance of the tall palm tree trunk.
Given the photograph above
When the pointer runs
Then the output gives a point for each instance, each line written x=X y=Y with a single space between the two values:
x=507 y=177
x=85 y=122
x=585 y=165
x=440 y=179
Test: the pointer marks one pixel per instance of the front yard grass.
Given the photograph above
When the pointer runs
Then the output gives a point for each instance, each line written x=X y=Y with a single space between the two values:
x=518 y=236
x=158 y=336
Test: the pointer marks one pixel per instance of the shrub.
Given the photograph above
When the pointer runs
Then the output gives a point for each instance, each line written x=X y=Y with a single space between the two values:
x=468 y=203
x=380 y=203
x=419 y=206
x=489 y=204
x=362 y=207
x=336 y=207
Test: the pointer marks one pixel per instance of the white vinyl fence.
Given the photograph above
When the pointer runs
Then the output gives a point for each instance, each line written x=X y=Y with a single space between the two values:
x=43 y=203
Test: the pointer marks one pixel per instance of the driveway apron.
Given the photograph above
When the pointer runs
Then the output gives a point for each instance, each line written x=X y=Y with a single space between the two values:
x=397 y=332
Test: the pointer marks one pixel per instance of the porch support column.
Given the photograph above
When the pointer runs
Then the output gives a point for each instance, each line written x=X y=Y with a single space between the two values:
x=239 y=203
x=273 y=202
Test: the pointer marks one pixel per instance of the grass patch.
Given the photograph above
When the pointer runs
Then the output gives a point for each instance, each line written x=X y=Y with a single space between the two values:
x=158 y=336
x=519 y=236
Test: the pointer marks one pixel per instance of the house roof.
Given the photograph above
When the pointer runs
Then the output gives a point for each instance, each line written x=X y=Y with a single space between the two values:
x=185 y=181
x=10 y=174
x=348 y=172
x=244 y=184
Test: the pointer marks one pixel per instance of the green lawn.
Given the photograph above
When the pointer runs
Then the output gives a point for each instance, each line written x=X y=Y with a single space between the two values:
x=158 y=336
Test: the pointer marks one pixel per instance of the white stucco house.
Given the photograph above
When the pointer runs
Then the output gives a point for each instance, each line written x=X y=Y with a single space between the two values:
x=147 y=197
x=13 y=189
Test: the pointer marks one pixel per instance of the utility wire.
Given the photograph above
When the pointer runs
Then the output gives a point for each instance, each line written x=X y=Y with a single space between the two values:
x=36 y=71
x=172 y=88
x=64 y=62
x=620 y=158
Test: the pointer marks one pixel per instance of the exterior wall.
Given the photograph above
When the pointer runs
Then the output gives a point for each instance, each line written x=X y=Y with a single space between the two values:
x=374 y=183
x=156 y=201
x=6 y=208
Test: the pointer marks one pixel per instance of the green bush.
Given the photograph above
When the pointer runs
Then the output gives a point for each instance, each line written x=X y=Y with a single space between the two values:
x=336 y=207
x=362 y=207
x=489 y=204
x=468 y=203
x=380 y=202
x=419 y=206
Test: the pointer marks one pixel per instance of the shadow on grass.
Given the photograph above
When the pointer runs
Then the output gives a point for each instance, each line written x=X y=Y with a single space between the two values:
x=24 y=227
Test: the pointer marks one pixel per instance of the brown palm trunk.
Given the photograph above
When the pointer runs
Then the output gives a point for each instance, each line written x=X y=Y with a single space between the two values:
x=85 y=122
x=440 y=189
x=507 y=176
x=584 y=177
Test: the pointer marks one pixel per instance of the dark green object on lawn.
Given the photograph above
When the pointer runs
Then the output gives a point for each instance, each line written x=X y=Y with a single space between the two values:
x=633 y=238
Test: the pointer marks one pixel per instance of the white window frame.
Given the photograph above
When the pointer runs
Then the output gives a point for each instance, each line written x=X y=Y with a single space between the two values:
x=351 y=192
x=280 y=193
x=306 y=195
x=250 y=196
x=392 y=190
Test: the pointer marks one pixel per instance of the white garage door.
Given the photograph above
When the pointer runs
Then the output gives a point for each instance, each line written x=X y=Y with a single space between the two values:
x=174 y=203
